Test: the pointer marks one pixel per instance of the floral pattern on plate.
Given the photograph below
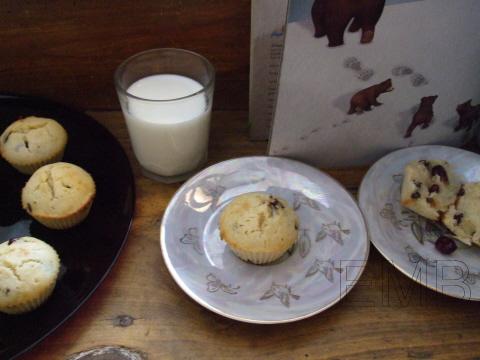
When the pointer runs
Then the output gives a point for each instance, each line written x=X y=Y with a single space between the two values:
x=214 y=284
x=281 y=292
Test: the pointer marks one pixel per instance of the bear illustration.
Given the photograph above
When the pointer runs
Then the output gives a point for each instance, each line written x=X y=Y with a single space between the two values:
x=366 y=98
x=331 y=18
x=468 y=115
x=423 y=116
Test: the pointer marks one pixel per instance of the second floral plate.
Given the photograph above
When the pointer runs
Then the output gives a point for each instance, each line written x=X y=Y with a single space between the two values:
x=327 y=260
x=406 y=239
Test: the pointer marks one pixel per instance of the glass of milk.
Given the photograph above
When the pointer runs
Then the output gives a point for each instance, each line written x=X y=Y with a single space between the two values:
x=166 y=97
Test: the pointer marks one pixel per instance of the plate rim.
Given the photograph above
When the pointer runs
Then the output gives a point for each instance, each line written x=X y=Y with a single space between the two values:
x=377 y=246
x=72 y=109
x=178 y=280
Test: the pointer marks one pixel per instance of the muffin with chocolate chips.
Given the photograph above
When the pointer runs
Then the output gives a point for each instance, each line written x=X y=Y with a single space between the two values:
x=59 y=195
x=259 y=227
x=462 y=217
x=29 y=143
x=429 y=188
x=28 y=272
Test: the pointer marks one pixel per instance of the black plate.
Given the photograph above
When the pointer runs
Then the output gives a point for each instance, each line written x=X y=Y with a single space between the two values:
x=87 y=251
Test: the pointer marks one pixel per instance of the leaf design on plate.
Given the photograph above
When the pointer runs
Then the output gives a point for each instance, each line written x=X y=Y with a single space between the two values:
x=469 y=278
x=285 y=299
x=304 y=244
x=328 y=272
x=229 y=289
x=296 y=201
x=190 y=237
x=414 y=257
x=197 y=247
x=312 y=203
x=325 y=267
x=321 y=235
x=214 y=284
x=337 y=236
x=313 y=269
x=334 y=230
x=211 y=277
x=431 y=228
x=417 y=231
x=281 y=292
x=299 y=199
x=268 y=294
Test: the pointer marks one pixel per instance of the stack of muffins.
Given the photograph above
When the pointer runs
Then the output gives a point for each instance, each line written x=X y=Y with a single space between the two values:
x=59 y=195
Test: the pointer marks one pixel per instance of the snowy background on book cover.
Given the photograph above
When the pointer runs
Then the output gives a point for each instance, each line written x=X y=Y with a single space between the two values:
x=426 y=47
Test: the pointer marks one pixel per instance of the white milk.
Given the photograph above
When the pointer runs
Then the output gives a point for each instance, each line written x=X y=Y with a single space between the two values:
x=171 y=137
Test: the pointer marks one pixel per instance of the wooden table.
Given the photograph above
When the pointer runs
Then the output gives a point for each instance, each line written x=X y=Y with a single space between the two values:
x=140 y=307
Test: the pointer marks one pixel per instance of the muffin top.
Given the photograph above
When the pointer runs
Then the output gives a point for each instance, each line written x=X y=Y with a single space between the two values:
x=32 y=139
x=58 y=190
x=27 y=266
x=259 y=222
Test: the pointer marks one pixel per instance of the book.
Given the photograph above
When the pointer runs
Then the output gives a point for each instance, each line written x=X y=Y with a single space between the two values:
x=362 y=78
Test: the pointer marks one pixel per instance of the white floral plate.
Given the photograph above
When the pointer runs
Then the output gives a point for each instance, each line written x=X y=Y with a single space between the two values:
x=328 y=259
x=408 y=240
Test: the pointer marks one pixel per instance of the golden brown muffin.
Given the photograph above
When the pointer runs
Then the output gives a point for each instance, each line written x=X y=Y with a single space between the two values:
x=259 y=227
x=28 y=272
x=59 y=195
x=27 y=144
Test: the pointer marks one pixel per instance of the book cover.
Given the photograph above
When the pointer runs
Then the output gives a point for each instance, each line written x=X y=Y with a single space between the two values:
x=361 y=78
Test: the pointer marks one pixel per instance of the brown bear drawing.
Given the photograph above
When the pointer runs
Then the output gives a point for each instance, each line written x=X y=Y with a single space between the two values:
x=331 y=18
x=423 y=116
x=468 y=115
x=366 y=98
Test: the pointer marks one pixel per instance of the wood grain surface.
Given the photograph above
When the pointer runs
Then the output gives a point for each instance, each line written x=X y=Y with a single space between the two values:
x=139 y=306
x=68 y=50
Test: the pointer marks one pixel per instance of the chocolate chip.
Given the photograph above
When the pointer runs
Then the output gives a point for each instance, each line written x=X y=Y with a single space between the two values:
x=434 y=188
x=418 y=184
x=430 y=200
x=275 y=203
x=441 y=172
x=29 y=207
x=12 y=240
x=458 y=218
x=416 y=195
x=461 y=192
x=7 y=291
x=26 y=143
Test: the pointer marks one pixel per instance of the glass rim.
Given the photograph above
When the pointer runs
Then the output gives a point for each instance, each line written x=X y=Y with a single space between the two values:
x=124 y=64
